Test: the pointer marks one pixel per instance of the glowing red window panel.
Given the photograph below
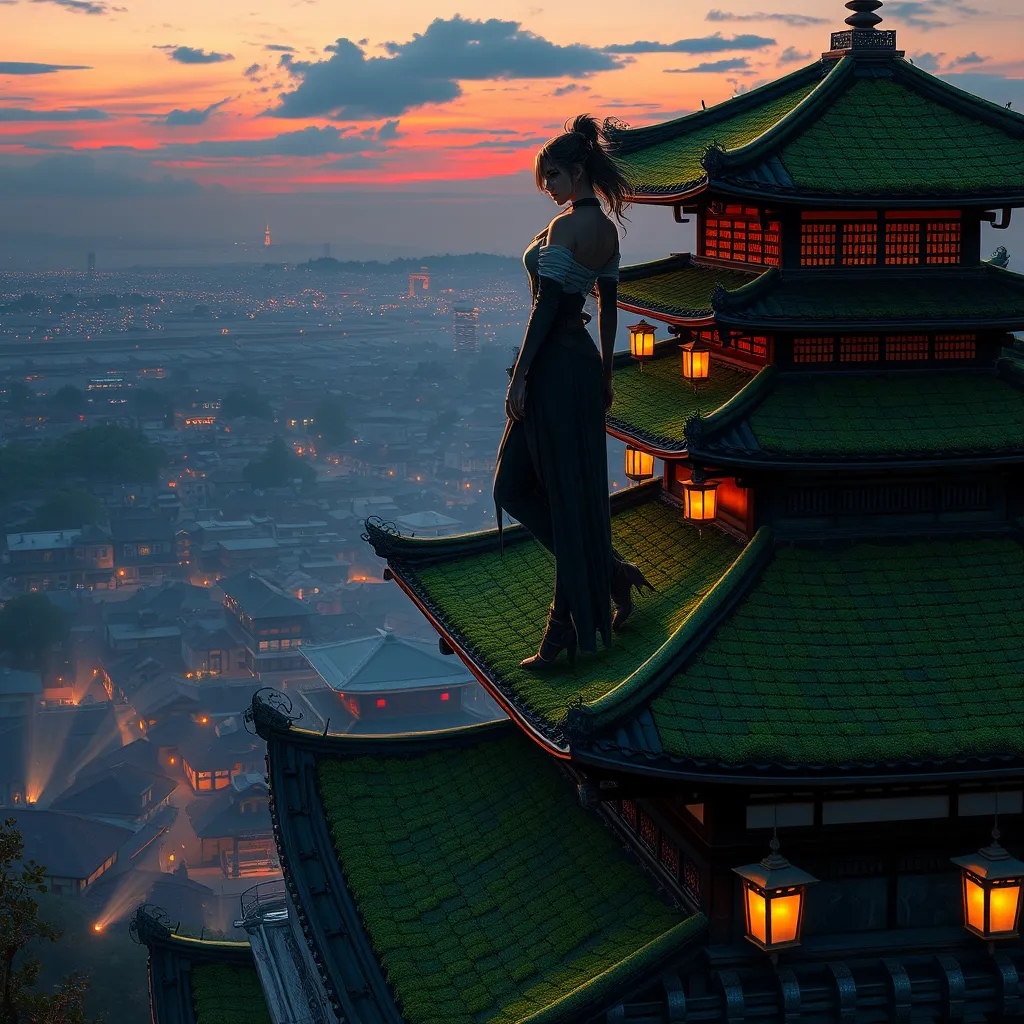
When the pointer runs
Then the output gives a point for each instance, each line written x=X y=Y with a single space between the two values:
x=943 y=245
x=858 y=350
x=381 y=702
x=445 y=696
x=818 y=245
x=903 y=243
x=956 y=346
x=813 y=350
x=903 y=348
x=629 y=811
x=860 y=244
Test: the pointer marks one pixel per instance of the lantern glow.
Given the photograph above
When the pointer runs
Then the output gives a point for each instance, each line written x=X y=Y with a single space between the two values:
x=773 y=900
x=700 y=499
x=991 y=883
x=641 y=341
x=639 y=465
x=696 y=360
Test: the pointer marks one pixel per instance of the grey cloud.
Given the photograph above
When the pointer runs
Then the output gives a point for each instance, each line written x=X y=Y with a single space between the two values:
x=252 y=70
x=791 y=55
x=471 y=131
x=565 y=90
x=928 y=61
x=355 y=162
x=194 y=55
x=17 y=67
x=527 y=143
x=711 y=67
x=82 y=6
x=311 y=141
x=796 y=20
x=429 y=68
x=995 y=88
x=707 y=44
x=78 y=176
x=930 y=14
x=969 y=58
x=188 y=118
x=279 y=48
x=73 y=114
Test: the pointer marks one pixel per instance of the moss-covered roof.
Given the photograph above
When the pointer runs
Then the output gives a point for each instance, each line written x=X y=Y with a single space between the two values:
x=228 y=994
x=850 y=417
x=828 y=131
x=495 y=607
x=883 y=652
x=898 y=415
x=866 y=300
x=487 y=892
x=677 y=289
x=666 y=159
x=653 y=404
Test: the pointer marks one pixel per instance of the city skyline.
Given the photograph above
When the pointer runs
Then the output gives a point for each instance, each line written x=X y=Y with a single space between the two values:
x=363 y=130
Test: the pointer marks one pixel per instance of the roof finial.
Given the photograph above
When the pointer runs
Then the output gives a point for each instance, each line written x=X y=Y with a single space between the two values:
x=863 y=16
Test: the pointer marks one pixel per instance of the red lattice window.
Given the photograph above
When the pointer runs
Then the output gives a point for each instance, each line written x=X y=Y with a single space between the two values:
x=669 y=857
x=648 y=832
x=903 y=243
x=943 y=242
x=691 y=881
x=742 y=240
x=858 y=350
x=956 y=346
x=752 y=344
x=860 y=244
x=629 y=812
x=906 y=348
x=813 y=350
x=818 y=245
x=711 y=337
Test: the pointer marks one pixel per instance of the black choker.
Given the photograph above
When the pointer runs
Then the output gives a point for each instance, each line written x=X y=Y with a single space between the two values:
x=585 y=202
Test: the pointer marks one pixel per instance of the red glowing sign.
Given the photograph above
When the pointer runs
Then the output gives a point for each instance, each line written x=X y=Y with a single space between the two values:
x=445 y=696
x=381 y=702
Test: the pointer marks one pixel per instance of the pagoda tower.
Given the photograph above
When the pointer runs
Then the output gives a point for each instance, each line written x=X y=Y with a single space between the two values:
x=793 y=788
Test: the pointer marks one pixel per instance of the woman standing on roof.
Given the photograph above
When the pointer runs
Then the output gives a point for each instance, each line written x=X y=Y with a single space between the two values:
x=552 y=471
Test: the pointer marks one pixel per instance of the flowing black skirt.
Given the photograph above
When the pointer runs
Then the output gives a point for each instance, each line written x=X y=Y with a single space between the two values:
x=564 y=433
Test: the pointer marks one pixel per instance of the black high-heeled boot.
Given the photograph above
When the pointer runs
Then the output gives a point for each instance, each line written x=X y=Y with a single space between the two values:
x=559 y=635
x=626 y=576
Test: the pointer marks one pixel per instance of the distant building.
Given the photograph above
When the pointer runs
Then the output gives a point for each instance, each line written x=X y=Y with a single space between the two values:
x=234 y=828
x=422 y=278
x=145 y=548
x=464 y=329
x=61 y=559
x=266 y=236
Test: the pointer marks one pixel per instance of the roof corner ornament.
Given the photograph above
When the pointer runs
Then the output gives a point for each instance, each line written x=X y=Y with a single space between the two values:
x=381 y=536
x=1000 y=258
x=713 y=158
x=693 y=431
x=577 y=721
x=863 y=16
x=269 y=711
x=149 y=924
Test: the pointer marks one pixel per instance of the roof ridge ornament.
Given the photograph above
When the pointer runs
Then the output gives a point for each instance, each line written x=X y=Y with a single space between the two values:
x=863 y=39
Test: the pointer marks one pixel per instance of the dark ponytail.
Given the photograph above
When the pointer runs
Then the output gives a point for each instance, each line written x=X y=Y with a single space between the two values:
x=584 y=143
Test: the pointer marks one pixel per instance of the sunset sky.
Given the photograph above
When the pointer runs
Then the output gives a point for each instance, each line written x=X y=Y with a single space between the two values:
x=200 y=118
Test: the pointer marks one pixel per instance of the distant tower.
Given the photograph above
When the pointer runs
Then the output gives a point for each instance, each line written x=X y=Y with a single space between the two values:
x=464 y=324
x=266 y=236
x=422 y=279
x=91 y=262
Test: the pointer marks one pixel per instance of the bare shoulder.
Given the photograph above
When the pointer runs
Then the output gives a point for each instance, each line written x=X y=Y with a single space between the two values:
x=560 y=231
x=609 y=232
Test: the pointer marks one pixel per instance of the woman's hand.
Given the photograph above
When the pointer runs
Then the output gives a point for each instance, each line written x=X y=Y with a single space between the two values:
x=515 y=400
x=609 y=394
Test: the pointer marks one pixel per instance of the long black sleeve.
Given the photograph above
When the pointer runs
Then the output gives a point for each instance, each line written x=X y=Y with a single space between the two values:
x=607 y=319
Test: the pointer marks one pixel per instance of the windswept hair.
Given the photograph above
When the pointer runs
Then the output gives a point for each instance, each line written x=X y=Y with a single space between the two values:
x=584 y=143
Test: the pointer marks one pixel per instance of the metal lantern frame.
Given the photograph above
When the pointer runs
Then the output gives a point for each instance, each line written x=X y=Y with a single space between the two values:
x=696 y=360
x=699 y=484
x=772 y=881
x=991 y=872
x=641 y=341
x=639 y=464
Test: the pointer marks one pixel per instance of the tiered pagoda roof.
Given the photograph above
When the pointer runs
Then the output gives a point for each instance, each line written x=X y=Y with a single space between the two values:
x=846 y=131
x=453 y=878
x=750 y=660
x=823 y=418
x=695 y=292
x=198 y=981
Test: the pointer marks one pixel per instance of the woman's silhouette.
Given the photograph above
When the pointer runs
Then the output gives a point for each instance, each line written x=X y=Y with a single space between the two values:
x=552 y=472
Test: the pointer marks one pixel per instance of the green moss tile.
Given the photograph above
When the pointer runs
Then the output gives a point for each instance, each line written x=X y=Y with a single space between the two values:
x=548 y=901
x=881 y=136
x=499 y=605
x=656 y=402
x=931 y=678
x=682 y=292
x=936 y=295
x=674 y=164
x=898 y=414
x=228 y=994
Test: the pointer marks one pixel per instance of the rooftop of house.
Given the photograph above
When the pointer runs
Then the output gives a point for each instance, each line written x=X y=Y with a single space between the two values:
x=460 y=924
x=260 y=599
x=116 y=792
x=68 y=845
x=384 y=662
x=15 y=681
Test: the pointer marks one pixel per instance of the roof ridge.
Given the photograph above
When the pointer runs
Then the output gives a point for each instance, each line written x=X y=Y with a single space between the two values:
x=934 y=88
x=693 y=632
x=638 y=271
x=626 y=140
x=700 y=428
x=718 y=159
